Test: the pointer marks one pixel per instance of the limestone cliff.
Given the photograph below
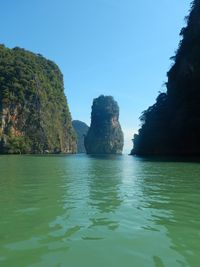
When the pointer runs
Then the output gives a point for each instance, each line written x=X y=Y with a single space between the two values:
x=34 y=115
x=105 y=135
x=172 y=125
x=81 y=130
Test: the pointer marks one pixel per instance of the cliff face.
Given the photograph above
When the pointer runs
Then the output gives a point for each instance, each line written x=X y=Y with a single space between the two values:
x=172 y=125
x=105 y=135
x=81 y=130
x=34 y=115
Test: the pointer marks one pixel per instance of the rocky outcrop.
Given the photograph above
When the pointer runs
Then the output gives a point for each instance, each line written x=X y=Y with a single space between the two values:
x=81 y=130
x=34 y=115
x=172 y=125
x=105 y=135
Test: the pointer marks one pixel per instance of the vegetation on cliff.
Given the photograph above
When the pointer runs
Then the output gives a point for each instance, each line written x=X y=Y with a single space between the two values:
x=81 y=130
x=172 y=125
x=34 y=115
x=105 y=135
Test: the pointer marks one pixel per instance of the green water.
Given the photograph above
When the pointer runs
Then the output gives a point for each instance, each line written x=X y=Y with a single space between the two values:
x=81 y=211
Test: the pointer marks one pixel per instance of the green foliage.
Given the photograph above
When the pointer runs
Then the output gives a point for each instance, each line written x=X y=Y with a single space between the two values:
x=81 y=130
x=18 y=145
x=172 y=125
x=105 y=135
x=104 y=107
x=32 y=98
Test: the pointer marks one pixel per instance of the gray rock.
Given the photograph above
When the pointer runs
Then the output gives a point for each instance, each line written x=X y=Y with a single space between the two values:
x=105 y=135
x=81 y=130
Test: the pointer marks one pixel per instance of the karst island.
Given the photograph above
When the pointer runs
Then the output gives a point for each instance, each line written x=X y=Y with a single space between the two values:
x=105 y=135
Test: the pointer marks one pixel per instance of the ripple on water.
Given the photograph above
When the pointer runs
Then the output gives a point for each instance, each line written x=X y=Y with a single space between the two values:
x=82 y=211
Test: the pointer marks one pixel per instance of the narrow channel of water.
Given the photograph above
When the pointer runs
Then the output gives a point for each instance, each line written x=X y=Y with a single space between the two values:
x=82 y=211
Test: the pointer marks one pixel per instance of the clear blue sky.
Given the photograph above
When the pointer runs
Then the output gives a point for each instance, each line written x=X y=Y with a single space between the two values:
x=112 y=47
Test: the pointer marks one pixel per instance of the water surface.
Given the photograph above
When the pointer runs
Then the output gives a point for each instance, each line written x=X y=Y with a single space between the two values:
x=82 y=211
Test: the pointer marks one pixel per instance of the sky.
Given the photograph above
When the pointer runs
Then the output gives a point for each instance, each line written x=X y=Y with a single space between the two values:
x=112 y=47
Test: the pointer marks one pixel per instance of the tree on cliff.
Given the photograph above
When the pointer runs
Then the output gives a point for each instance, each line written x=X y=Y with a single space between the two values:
x=34 y=115
x=172 y=125
x=105 y=135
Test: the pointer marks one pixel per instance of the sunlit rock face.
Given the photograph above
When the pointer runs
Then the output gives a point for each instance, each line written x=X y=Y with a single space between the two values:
x=105 y=135
x=34 y=114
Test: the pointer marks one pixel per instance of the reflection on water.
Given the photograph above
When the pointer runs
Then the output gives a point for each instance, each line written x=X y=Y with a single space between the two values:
x=83 y=211
x=104 y=186
x=104 y=190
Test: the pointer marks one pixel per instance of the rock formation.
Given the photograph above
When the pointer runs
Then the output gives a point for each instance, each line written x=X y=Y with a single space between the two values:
x=105 y=135
x=81 y=130
x=34 y=115
x=172 y=125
